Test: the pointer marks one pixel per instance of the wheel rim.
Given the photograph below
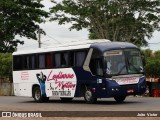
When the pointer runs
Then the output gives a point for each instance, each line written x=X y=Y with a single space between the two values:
x=37 y=94
x=88 y=95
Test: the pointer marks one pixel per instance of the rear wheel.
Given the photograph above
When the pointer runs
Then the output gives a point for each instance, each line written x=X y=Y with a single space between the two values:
x=88 y=96
x=120 y=99
x=38 y=96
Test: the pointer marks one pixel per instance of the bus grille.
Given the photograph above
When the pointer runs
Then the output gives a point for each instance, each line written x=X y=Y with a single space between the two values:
x=128 y=87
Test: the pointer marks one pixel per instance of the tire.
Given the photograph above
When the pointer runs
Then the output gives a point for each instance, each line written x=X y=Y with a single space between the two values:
x=88 y=97
x=38 y=96
x=66 y=99
x=120 y=99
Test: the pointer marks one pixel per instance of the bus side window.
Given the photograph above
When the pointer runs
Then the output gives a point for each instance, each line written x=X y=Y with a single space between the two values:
x=57 y=60
x=48 y=60
x=26 y=62
x=64 y=59
x=72 y=58
x=33 y=65
x=99 y=70
x=17 y=62
x=92 y=66
x=96 y=67
x=80 y=57
x=41 y=61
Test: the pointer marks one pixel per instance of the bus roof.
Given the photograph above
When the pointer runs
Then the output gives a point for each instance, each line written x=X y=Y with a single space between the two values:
x=100 y=44
x=112 y=46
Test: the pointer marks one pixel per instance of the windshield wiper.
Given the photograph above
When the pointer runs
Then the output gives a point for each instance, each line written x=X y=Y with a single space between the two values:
x=130 y=64
x=121 y=69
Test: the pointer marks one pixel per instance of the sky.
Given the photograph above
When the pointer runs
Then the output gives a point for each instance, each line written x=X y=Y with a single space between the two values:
x=59 y=34
x=55 y=34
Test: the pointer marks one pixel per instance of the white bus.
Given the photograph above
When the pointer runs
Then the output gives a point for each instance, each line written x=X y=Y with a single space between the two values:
x=91 y=69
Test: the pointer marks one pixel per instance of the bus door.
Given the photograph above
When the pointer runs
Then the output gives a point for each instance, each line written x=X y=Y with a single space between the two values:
x=100 y=81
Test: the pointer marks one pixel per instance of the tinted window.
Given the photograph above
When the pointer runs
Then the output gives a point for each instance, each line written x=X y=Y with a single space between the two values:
x=41 y=61
x=17 y=62
x=48 y=60
x=80 y=57
x=72 y=58
x=64 y=59
x=26 y=62
x=33 y=60
x=57 y=60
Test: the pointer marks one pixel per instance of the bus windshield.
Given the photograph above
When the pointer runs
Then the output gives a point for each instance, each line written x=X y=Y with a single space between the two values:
x=122 y=62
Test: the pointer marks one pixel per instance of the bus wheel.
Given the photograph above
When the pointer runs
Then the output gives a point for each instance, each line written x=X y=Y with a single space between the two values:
x=66 y=99
x=88 y=96
x=37 y=94
x=120 y=99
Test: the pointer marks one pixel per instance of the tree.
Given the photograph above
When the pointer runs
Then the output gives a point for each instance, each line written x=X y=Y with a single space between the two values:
x=152 y=68
x=9 y=45
x=19 y=17
x=6 y=65
x=148 y=53
x=118 y=20
x=157 y=54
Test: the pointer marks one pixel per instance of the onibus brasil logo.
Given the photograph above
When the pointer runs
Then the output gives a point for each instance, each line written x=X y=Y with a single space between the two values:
x=21 y=114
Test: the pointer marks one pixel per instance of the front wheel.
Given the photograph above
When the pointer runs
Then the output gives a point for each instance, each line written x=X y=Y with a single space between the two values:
x=120 y=99
x=38 y=96
x=89 y=98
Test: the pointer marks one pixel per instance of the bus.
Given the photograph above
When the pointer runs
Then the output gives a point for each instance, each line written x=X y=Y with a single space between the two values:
x=91 y=69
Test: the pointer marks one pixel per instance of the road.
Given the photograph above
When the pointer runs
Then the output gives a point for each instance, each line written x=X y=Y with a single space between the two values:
x=13 y=103
x=55 y=109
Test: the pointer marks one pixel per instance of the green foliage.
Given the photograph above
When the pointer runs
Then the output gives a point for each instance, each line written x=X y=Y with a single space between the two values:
x=5 y=65
x=152 y=67
x=19 y=17
x=118 y=20
x=157 y=54
x=9 y=45
x=147 y=53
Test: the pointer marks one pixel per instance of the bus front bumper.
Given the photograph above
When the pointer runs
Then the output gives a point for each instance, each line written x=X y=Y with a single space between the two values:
x=114 y=89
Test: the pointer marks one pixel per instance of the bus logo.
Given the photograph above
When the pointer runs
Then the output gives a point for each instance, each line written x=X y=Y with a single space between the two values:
x=60 y=75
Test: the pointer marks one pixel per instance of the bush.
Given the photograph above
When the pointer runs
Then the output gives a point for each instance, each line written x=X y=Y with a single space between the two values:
x=6 y=65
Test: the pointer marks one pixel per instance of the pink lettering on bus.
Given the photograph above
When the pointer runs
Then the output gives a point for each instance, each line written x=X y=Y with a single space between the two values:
x=62 y=85
x=58 y=76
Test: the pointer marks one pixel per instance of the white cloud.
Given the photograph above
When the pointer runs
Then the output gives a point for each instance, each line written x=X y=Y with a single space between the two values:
x=55 y=34
x=154 y=42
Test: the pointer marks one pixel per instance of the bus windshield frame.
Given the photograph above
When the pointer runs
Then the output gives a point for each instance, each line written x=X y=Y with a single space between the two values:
x=123 y=62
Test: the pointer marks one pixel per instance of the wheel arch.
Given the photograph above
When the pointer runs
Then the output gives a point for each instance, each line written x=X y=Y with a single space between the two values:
x=33 y=86
x=83 y=87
